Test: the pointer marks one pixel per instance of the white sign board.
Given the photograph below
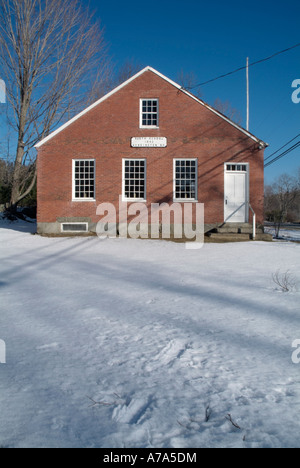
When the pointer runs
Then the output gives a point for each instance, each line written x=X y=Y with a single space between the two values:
x=148 y=142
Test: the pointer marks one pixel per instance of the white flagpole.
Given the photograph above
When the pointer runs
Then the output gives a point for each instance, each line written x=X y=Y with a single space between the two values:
x=247 y=80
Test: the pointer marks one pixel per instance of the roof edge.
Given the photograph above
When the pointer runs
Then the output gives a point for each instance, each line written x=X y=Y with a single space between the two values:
x=261 y=143
x=238 y=127
x=77 y=116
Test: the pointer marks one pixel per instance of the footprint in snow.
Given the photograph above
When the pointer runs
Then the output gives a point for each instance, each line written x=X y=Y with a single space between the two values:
x=46 y=347
x=132 y=413
x=171 y=352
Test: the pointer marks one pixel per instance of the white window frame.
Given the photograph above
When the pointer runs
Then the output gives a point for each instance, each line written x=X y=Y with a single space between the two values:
x=237 y=167
x=80 y=199
x=185 y=200
x=127 y=199
x=141 y=113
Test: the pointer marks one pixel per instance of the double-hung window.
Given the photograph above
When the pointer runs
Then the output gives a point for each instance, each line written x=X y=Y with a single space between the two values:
x=149 y=113
x=134 y=179
x=83 y=179
x=185 y=179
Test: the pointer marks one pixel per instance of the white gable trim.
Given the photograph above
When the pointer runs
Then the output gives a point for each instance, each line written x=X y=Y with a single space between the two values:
x=76 y=117
x=115 y=90
x=210 y=108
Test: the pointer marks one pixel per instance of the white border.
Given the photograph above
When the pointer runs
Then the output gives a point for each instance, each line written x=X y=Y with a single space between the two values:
x=45 y=140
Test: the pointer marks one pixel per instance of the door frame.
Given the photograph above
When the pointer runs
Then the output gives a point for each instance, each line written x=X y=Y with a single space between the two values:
x=247 y=181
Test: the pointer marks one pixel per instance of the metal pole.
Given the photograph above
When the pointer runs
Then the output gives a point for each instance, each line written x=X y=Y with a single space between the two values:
x=247 y=80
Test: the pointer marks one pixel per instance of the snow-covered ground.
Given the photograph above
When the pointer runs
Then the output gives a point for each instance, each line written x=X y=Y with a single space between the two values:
x=142 y=343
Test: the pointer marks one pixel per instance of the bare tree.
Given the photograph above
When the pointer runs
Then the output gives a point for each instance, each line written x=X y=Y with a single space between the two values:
x=6 y=170
x=226 y=108
x=50 y=52
x=127 y=70
x=285 y=281
x=281 y=197
x=113 y=77
x=188 y=81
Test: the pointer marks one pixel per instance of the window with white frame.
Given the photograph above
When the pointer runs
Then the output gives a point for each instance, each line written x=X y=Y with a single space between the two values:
x=185 y=179
x=134 y=179
x=84 y=179
x=236 y=167
x=149 y=113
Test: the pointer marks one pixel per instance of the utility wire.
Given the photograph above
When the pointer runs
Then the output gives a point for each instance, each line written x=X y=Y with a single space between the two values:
x=289 y=150
x=244 y=67
x=293 y=147
x=272 y=154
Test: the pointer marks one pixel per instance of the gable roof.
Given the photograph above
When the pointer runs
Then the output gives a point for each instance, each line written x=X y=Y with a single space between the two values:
x=176 y=85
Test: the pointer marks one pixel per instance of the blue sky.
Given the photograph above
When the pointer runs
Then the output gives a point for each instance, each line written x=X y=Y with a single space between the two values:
x=213 y=38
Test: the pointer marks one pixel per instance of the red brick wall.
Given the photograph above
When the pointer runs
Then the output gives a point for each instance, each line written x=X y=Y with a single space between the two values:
x=105 y=132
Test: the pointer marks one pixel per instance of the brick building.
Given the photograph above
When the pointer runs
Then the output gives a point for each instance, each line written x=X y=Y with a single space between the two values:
x=148 y=141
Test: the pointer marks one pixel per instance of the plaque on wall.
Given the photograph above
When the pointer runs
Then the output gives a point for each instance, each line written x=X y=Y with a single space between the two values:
x=148 y=142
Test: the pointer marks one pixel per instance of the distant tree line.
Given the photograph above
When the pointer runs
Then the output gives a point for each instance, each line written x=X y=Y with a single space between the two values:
x=282 y=201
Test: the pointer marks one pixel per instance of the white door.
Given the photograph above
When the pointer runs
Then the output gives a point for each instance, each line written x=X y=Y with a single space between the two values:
x=236 y=193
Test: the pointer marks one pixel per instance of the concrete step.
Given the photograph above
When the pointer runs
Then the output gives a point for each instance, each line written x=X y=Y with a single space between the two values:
x=234 y=237
x=264 y=237
x=228 y=237
x=237 y=228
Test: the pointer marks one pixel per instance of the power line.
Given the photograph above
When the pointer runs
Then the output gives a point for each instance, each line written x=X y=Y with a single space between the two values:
x=289 y=150
x=272 y=154
x=244 y=67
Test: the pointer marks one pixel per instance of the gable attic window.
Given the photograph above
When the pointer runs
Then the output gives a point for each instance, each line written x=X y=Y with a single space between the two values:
x=83 y=179
x=149 y=113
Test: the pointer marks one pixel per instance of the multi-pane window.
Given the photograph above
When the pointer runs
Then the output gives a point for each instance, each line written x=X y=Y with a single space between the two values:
x=84 y=179
x=149 y=113
x=185 y=179
x=236 y=167
x=134 y=179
